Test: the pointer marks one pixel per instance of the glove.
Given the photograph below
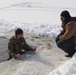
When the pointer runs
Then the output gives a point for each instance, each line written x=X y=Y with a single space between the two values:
x=18 y=56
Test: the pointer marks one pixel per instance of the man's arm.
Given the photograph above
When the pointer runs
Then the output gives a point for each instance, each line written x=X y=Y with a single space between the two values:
x=26 y=46
x=70 y=30
x=11 y=48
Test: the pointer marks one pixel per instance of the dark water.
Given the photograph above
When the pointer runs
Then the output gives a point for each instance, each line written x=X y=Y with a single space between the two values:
x=3 y=49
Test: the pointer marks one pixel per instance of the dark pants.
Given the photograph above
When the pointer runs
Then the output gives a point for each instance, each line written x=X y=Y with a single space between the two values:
x=66 y=45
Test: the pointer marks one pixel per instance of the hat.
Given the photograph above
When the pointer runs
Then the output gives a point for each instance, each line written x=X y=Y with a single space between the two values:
x=19 y=31
x=65 y=14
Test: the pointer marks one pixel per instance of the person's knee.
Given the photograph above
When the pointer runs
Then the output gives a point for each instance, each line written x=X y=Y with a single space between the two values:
x=60 y=44
x=57 y=39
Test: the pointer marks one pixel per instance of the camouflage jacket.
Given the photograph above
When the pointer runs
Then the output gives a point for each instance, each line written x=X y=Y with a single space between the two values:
x=15 y=46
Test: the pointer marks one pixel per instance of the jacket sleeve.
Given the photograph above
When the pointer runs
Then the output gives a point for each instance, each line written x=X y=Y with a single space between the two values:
x=10 y=48
x=70 y=30
x=26 y=46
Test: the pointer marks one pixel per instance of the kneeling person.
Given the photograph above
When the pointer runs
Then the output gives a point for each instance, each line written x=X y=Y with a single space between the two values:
x=16 y=44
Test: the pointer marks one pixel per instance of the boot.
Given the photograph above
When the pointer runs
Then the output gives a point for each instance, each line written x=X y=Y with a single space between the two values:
x=68 y=55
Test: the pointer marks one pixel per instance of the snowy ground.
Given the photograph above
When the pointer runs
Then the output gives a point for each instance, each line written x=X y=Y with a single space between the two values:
x=47 y=57
x=41 y=18
x=68 y=68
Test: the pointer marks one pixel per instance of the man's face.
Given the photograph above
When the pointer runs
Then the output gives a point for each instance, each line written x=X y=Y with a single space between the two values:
x=62 y=18
x=19 y=36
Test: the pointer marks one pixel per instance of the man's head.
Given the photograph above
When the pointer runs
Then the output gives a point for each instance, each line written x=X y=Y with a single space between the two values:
x=19 y=33
x=65 y=16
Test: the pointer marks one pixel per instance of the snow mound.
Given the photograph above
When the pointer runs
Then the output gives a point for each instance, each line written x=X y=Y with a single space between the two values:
x=36 y=28
x=68 y=68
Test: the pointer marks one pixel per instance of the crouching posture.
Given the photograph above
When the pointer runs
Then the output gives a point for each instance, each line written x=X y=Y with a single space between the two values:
x=66 y=40
x=16 y=44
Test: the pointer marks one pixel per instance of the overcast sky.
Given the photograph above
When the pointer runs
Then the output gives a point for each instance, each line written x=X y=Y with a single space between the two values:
x=67 y=3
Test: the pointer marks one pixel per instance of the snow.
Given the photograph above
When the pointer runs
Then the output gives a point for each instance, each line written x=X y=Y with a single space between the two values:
x=68 y=68
x=41 y=18
x=41 y=62
x=38 y=29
